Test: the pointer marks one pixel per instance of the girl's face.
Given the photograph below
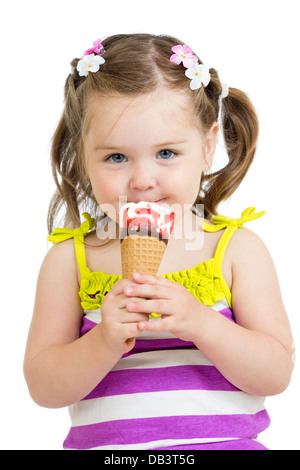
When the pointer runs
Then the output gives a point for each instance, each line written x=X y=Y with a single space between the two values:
x=146 y=148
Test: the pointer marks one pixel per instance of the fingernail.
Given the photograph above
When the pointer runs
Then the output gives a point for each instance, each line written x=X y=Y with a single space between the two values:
x=128 y=290
x=142 y=325
x=130 y=306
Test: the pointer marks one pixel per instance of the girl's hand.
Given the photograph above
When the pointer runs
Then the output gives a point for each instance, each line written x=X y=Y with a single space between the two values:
x=180 y=310
x=118 y=324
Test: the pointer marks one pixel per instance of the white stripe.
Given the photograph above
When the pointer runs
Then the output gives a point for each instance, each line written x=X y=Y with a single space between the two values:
x=165 y=358
x=169 y=403
x=95 y=317
x=220 y=305
x=164 y=443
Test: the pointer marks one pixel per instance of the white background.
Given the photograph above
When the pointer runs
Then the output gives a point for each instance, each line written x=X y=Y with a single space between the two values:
x=254 y=46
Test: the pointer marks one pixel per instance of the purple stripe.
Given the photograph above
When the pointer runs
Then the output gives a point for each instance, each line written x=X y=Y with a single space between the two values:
x=144 y=345
x=121 y=382
x=136 y=431
x=228 y=313
x=86 y=325
x=237 y=444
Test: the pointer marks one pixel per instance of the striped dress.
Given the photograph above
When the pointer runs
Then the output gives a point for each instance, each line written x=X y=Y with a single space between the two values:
x=164 y=394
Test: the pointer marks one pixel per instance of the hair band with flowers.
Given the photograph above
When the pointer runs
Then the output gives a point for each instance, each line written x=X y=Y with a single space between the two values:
x=197 y=73
x=91 y=59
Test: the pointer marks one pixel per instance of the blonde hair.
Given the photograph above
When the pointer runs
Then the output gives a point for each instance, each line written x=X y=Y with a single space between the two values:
x=137 y=64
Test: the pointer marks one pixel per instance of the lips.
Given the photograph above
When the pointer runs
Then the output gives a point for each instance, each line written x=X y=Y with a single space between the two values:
x=137 y=201
x=152 y=201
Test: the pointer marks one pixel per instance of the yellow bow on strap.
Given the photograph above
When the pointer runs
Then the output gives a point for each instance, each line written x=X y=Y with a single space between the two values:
x=221 y=221
x=61 y=234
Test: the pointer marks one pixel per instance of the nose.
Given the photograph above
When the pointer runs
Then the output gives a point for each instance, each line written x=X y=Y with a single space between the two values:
x=143 y=177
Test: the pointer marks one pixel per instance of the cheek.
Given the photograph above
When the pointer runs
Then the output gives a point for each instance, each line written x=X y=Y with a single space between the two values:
x=187 y=182
x=104 y=188
x=107 y=190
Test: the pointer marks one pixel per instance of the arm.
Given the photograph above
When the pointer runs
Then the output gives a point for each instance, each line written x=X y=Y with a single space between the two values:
x=262 y=340
x=60 y=367
x=255 y=354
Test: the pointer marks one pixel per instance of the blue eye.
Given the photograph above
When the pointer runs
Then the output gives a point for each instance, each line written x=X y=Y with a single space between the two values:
x=166 y=154
x=117 y=158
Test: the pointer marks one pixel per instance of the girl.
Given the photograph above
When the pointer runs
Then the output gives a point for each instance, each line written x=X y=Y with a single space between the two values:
x=140 y=122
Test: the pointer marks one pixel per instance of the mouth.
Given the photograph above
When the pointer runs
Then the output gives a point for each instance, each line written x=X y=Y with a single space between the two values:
x=157 y=201
x=162 y=202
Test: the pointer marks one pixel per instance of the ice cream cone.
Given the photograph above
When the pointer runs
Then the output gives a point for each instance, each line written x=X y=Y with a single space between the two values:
x=141 y=254
x=144 y=237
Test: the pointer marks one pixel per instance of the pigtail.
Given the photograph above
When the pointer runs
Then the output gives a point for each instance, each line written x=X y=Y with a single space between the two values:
x=240 y=130
x=66 y=165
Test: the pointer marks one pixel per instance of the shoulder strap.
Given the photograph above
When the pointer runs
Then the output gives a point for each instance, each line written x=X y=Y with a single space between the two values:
x=231 y=225
x=61 y=234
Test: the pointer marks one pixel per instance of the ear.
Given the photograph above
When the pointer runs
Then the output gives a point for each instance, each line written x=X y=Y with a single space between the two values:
x=210 y=146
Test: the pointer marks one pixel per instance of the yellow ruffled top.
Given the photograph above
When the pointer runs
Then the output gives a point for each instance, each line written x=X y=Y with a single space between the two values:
x=205 y=281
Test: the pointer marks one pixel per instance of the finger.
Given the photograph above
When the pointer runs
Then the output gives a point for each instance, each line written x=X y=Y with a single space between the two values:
x=123 y=300
x=131 y=331
x=154 y=291
x=159 y=306
x=119 y=286
x=130 y=317
x=142 y=278
x=157 y=325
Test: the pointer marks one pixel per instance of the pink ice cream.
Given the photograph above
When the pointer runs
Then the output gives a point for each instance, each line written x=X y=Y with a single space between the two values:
x=146 y=219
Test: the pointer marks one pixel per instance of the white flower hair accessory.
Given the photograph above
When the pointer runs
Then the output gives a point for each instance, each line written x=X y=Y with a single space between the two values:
x=91 y=59
x=197 y=73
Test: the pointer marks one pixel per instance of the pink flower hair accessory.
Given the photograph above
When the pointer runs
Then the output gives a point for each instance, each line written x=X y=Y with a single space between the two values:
x=91 y=59
x=97 y=49
x=183 y=54
x=197 y=73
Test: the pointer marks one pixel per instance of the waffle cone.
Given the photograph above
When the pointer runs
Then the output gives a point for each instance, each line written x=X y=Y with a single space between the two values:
x=141 y=254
